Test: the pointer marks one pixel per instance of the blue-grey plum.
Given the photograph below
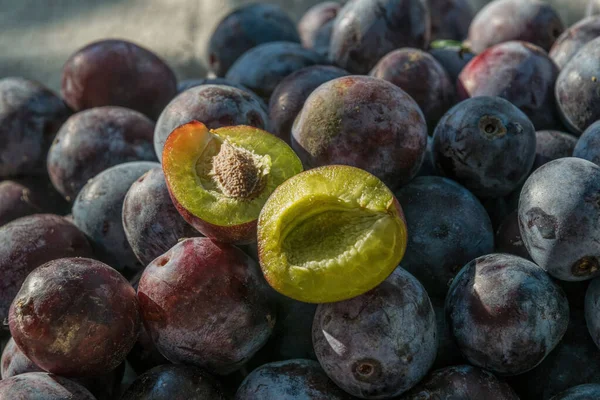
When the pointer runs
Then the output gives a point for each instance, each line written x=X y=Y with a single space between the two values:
x=592 y=310
x=486 y=144
x=453 y=59
x=577 y=93
x=98 y=212
x=559 y=209
x=508 y=237
x=213 y=105
x=589 y=391
x=366 y=30
x=244 y=28
x=573 y=39
x=295 y=379
x=263 y=67
x=94 y=140
x=364 y=122
x=461 y=382
x=380 y=344
x=450 y=19
x=588 y=145
x=420 y=75
x=151 y=221
x=440 y=243
x=504 y=20
x=289 y=96
x=316 y=25
x=506 y=313
x=519 y=72
x=41 y=385
x=28 y=242
x=175 y=382
x=30 y=116
x=552 y=145
x=182 y=86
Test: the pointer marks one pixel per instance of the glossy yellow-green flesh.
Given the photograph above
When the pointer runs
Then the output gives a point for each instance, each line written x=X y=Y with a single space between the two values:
x=196 y=190
x=326 y=235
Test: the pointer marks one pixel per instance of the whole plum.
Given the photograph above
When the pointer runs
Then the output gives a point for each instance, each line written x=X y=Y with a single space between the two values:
x=588 y=145
x=118 y=73
x=244 y=28
x=573 y=39
x=450 y=19
x=453 y=59
x=559 y=208
x=486 y=144
x=94 y=140
x=592 y=310
x=182 y=86
x=366 y=30
x=16 y=201
x=42 y=386
x=552 y=145
x=581 y=392
x=364 y=122
x=506 y=313
x=30 y=116
x=316 y=25
x=380 y=344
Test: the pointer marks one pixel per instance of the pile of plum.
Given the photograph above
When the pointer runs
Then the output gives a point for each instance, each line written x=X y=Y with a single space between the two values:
x=390 y=199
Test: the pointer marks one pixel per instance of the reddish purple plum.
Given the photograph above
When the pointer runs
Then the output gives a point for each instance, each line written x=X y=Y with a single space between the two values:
x=316 y=25
x=573 y=39
x=365 y=122
x=42 y=386
x=501 y=21
x=519 y=72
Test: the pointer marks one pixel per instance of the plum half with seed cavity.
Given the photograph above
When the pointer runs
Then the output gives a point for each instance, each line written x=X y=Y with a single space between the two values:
x=573 y=39
x=380 y=344
x=505 y=20
x=364 y=122
x=588 y=145
x=559 y=208
x=486 y=144
x=463 y=382
x=295 y=379
x=506 y=313
x=366 y=30
x=75 y=317
x=205 y=303
x=441 y=243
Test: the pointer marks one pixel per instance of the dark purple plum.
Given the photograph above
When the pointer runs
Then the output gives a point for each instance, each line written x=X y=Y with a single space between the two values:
x=30 y=116
x=316 y=25
x=559 y=209
x=16 y=201
x=557 y=372
x=366 y=30
x=420 y=75
x=75 y=317
x=28 y=242
x=244 y=28
x=364 y=122
x=452 y=58
x=592 y=310
x=441 y=243
x=46 y=195
x=380 y=344
x=42 y=386
x=588 y=145
x=290 y=95
x=501 y=21
x=450 y=19
x=577 y=93
x=98 y=212
x=206 y=304
x=448 y=352
x=175 y=382
x=463 y=382
x=215 y=106
x=519 y=72
x=573 y=39
x=593 y=8
x=295 y=379
x=263 y=67
x=151 y=221
x=486 y=144
x=552 y=145
x=182 y=86
x=508 y=237
x=118 y=73
x=582 y=392
x=506 y=313
x=94 y=140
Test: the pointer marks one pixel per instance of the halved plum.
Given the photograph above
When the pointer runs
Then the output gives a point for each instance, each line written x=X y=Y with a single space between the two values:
x=329 y=234
x=220 y=179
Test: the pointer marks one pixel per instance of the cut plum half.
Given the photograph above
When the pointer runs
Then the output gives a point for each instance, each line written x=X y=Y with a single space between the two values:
x=220 y=179
x=330 y=234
